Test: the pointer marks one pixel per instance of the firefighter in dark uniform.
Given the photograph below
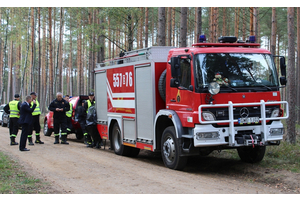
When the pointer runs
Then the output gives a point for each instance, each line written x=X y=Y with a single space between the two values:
x=87 y=105
x=82 y=122
x=59 y=107
x=13 y=108
x=35 y=125
x=69 y=114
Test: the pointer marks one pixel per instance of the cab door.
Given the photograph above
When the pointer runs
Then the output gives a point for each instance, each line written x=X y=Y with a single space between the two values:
x=182 y=93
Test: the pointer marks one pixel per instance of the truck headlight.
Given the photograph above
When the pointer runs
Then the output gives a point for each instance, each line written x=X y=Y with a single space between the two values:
x=208 y=116
x=214 y=88
x=208 y=135
x=277 y=131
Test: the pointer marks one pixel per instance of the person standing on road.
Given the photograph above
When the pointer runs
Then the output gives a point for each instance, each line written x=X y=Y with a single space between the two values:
x=13 y=108
x=90 y=102
x=69 y=114
x=25 y=121
x=35 y=122
x=59 y=107
x=82 y=122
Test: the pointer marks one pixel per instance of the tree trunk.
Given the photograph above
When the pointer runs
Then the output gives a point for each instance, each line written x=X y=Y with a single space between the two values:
x=251 y=21
x=169 y=26
x=60 y=53
x=173 y=27
x=199 y=23
x=244 y=24
x=298 y=63
x=161 y=26
x=224 y=21
x=43 y=91
x=31 y=69
x=255 y=23
x=51 y=89
x=39 y=54
x=183 y=27
x=273 y=32
x=291 y=133
x=146 y=26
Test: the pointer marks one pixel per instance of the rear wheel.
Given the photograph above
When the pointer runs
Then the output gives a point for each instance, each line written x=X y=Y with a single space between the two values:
x=118 y=147
x=3 y=124
x=170 y=150
x=47 y=131
x=250 y=154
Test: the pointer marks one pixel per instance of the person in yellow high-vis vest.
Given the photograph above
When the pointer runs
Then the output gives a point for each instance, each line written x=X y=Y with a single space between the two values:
x=13 y=109
x=35 y=122
x=87 y=105
x=69 y=115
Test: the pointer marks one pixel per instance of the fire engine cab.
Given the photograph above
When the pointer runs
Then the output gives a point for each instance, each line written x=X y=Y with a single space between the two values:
x=192 y=101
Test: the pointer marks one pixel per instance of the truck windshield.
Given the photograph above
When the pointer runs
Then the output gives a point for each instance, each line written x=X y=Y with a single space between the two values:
x=235 y=70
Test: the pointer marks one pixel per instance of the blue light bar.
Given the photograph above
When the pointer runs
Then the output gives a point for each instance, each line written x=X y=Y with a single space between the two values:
x=252 y=39
x=202 y=38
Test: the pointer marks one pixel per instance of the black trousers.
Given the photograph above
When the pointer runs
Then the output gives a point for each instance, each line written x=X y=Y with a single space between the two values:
x=60 y=124
x=69 y=124
x=93 y=132
x=13 y=127
x=24 y=134
x=35 y=125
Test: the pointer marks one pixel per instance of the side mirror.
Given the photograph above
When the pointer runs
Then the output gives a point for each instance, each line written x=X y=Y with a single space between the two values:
x=174 y=82
x=283 y=80
x=175 y=67
x=282 y=67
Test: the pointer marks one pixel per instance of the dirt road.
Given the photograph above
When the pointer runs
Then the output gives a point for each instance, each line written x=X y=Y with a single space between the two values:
x=77 y=169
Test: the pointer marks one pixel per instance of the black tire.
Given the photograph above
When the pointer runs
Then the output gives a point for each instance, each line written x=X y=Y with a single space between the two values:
x=47 y=131
x=162 y=85
x=117 y=144
x=133 y=152
x=170 y=150
x=250 y=154
x=3 y=124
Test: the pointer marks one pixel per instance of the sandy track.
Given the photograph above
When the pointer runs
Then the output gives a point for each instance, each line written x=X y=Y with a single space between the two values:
x=77 y=169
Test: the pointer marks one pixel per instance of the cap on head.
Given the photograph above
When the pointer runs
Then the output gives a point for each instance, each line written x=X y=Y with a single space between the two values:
x=33 y=93
x=17 y=96
x=91 y=94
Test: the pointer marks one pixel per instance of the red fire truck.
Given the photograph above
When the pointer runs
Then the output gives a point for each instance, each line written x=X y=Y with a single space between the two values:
x=192 y=100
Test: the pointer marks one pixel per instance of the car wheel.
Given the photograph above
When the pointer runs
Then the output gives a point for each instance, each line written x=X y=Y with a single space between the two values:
x=3 y=124
x=47 y=131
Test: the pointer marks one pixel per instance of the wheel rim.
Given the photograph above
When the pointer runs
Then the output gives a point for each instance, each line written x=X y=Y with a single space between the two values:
x=117 y=139
x=169 y=149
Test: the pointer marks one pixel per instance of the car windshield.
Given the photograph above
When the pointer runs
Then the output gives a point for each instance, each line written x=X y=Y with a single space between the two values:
x=235 y=70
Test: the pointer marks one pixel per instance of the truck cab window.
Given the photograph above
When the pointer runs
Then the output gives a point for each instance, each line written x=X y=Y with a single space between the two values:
x=185 y=67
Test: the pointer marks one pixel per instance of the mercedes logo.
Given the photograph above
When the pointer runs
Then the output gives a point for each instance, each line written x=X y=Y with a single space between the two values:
x=244 y=112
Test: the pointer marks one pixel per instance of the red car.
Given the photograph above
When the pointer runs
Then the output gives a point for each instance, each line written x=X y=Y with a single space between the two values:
x=76 y=102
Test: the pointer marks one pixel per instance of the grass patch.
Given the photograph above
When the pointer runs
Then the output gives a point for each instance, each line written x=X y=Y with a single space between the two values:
x=15 y=181
x=285 y=156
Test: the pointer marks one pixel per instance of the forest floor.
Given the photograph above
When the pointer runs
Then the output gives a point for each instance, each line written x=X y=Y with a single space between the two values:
x=76 y=169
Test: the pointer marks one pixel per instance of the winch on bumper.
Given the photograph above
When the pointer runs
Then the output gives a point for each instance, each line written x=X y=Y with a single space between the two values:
x=234 y=135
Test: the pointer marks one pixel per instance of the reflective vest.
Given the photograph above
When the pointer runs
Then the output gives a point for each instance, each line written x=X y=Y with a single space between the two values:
x=69 y=113
x=13 y=109
x=89 y=105
x=37 y=110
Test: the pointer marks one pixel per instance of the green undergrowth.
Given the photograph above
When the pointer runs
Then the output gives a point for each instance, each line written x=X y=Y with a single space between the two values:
x=13 y=180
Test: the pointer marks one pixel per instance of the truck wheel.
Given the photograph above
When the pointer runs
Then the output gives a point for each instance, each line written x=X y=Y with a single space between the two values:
x=47 y=131
x=162 y=85
x=118 y=147
x=170 y=150
x=250 y=154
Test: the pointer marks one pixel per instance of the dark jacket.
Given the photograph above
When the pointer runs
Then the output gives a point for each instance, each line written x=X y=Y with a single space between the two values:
x=59 y=104
x=26 y=113
x=86 y=106
x=81 y=114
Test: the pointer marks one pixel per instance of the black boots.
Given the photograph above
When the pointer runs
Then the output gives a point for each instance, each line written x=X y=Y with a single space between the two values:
x=38 y=140
x=64 y=139
x=30 y=141
x=56 y=140
x=12 y=141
